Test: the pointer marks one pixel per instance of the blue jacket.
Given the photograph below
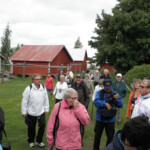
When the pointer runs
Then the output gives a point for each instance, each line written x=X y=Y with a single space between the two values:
x=102 y=103
x=116 y=143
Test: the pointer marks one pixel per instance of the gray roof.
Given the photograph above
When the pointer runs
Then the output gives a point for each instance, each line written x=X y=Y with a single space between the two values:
x=77 y=54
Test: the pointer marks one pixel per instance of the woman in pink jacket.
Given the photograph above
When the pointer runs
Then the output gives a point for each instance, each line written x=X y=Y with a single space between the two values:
x=49 y=84
x=70 y=112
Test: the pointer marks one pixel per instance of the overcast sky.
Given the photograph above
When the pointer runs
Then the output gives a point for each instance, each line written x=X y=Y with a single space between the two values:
x=52 y=22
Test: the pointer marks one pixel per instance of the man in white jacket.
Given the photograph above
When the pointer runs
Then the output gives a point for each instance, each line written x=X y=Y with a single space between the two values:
x=142 y=105
x=35 y=104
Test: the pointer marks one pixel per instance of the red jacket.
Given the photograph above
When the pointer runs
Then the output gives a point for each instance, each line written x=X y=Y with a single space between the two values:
x=49 y=84
x=68 y=135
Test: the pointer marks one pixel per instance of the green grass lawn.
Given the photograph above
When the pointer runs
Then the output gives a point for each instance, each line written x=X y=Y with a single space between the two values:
x=10 y=101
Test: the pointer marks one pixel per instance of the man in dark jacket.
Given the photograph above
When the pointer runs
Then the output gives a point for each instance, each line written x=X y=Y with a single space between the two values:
x=2 y=123
x=81 y=88
x=105 y=75
x=135 y=135
x=106 y=101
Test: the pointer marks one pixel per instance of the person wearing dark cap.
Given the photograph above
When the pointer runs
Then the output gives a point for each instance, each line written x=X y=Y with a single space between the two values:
x=82 y=90
x=106 y=101
x=135 y=135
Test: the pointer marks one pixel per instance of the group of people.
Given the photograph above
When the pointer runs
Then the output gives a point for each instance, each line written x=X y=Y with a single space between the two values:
x=65 y=127
x=70 y=113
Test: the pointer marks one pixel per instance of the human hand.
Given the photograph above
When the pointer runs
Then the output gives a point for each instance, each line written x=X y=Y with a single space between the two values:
x=46 y=113
x=23 y=115
x=51 y=148
x=116 y=96
x=132 y=106
x=109 y=107
x=53 y=97
x=75 y=103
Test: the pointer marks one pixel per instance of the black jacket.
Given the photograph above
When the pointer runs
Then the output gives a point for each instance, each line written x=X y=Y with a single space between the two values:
x=2 y=119
x=116 y=143
x=83 y=93
x=104 y=77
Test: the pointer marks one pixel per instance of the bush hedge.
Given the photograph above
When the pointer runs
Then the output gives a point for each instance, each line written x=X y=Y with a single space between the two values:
x=138 y=72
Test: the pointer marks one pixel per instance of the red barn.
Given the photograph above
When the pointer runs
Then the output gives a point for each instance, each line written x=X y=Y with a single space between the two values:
x=107 y=66
x=31 y=59
x=79 y=56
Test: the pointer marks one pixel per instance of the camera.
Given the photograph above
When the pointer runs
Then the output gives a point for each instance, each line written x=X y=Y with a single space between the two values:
x=112 y=99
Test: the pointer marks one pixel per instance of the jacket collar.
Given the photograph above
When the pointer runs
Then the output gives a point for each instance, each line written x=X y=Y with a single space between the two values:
x=145 y=96
x=65 y=104
x=82 y=82
x=41 y=87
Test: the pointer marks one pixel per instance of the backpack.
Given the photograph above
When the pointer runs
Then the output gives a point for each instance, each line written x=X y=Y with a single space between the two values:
x=105 y=113
x=56 y=126
x=2 y=124
x=31 y=86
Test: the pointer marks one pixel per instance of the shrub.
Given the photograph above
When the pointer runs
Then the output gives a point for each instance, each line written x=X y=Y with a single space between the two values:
x=138 y=72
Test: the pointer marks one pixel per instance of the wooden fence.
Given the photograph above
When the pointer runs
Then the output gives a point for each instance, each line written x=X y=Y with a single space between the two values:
x=24 y=66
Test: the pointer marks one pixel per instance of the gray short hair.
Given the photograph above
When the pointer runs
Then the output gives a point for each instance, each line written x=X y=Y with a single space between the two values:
x=106 y=70
x=69 y=92
x=86 y=75
x=35 y=75
x=148 y=82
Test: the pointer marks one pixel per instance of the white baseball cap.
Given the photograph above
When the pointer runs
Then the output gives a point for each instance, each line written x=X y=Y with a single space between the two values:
x=119 y=75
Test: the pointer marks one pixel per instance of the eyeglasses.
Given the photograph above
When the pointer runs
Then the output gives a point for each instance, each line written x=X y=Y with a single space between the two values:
x=143 y=87
x=37 y=79
x=74 y=98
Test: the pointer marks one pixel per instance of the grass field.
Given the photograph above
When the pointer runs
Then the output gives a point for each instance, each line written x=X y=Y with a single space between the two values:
x=10 y=101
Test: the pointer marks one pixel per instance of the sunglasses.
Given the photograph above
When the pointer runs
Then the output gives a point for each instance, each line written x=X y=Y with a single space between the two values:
x=37 y=79
x=143 y=87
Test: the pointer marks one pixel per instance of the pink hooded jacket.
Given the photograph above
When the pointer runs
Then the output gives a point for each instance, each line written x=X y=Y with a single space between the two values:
x=49 y=84
x=68 y=135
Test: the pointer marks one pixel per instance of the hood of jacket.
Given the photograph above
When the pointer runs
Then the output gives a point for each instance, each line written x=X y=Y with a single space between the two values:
x=116 y=144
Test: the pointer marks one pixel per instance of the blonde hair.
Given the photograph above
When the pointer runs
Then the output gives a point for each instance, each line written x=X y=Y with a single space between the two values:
x=101 y=81
x=137 y=80
x=62 y=76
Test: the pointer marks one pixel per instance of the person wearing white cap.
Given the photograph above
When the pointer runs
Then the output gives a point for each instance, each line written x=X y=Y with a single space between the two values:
x=119 y=86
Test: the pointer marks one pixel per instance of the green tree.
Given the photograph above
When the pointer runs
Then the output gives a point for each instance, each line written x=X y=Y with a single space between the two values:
x=123 y=38
x=78 y=44
x=15 y=49
x=6 y=50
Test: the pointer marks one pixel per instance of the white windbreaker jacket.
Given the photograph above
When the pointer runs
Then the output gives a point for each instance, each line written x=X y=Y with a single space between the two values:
x=35 y=101
x=142 y=106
